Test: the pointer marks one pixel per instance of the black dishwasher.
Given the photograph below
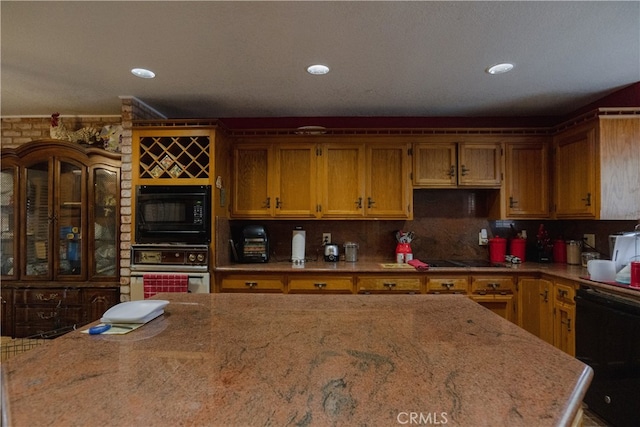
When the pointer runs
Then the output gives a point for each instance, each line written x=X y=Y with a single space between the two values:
x=608 y=340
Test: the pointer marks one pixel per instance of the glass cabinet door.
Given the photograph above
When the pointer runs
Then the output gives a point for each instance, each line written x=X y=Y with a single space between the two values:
x=38 y=218
x=105 y=211
x=8 y=218
x=68 y=220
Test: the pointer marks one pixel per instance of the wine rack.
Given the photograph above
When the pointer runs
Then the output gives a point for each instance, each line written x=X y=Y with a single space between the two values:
x=174 y=157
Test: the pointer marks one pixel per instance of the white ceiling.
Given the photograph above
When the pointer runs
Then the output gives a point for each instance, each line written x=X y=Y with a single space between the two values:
x=248 y=59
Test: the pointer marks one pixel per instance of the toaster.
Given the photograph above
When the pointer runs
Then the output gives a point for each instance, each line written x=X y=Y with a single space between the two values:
x=331 y=253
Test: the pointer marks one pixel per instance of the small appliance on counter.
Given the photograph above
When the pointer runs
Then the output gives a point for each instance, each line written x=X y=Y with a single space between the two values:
x=351 y=251
x=252 y=245
x=331 y=252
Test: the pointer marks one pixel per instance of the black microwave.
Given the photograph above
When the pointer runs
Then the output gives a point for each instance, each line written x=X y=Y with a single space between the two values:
x=173 y=214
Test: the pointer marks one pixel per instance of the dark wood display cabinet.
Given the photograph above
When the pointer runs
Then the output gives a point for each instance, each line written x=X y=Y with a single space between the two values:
x=59 y=235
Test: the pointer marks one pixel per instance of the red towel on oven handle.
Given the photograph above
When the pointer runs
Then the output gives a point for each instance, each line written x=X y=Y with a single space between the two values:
x=157 y=283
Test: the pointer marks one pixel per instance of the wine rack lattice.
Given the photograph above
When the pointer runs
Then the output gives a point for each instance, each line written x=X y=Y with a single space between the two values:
x=174 y=157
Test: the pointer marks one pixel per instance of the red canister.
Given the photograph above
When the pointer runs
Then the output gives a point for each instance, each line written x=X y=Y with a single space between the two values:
x=560 y=251
x=497 y=249
x=518 y=248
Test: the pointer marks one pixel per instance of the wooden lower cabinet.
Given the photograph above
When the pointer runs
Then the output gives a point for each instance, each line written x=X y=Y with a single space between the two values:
x=321 y=284
x=502 y=305
x=495 y=292
x=6 y=319
x=548 y=310
x=535 y=307
x=388 y=284
x=252 y=283
x=564 y=317
x=447 y=284
x=48 y=311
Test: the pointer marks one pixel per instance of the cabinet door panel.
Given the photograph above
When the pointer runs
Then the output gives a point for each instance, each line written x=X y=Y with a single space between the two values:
x=295 y=194
x=527 y=180
x=435 y=165
x=342 y=180
x=576 y=173
x=70 y=220
x=38 y=215
x=104 y=210
x=479 y=165
x=388 y=175
x=9 y=217
x=252 y=181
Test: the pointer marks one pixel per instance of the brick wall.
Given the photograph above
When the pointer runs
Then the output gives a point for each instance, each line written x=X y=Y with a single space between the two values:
x=18 y=130
x=132 y=109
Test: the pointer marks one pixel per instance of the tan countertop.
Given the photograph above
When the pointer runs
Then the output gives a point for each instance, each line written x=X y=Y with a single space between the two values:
x=571 y=272
x=256 y=359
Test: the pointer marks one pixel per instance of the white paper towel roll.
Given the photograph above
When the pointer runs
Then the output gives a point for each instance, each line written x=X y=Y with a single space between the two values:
x=297 y=246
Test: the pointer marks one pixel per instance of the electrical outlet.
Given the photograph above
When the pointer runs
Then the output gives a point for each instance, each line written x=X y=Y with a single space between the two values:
x=589 y=240
x=326 y=238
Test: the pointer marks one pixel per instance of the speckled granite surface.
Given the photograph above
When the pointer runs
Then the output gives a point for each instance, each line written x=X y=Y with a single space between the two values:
x=246 y=359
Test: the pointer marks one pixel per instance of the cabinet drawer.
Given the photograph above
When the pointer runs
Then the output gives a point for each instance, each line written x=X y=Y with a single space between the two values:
x=492 y=285
x=389 y=284
x=46 y=314
x=51 y=296
x=565 y=293
x=249 y=283
x=448 y=285
x=342 y=284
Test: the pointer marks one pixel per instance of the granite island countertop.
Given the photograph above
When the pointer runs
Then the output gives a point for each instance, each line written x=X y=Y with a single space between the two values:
x=268 y=359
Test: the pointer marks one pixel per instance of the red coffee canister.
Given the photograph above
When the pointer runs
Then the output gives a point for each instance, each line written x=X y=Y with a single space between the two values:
x=560 y=251
x=518 y=248
x=497 y=249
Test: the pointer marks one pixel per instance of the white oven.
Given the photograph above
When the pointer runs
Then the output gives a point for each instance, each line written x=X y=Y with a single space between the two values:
x=162 y=259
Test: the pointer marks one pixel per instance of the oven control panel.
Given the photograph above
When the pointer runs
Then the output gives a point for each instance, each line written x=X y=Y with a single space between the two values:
x=159 y=255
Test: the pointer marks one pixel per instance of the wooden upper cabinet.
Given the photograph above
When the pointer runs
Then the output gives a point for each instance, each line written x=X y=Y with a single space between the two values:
x=576 y=175
x=479 y=164
x=526 y=180
x=313 y=179
x=294 y=192
x=274 y=180
x=342 y=180
x=442 y=164
x=252 y=178
x=435 y=165
x=596 y=169
x=387 y=191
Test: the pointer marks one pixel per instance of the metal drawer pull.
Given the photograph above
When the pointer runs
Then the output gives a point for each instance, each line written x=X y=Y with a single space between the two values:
x=464 y=170
x=320 y=285
x=493 y=286
x=42 y=297
x=562 y=293
x=389 y=285
x=568 y=323
x=251 y=284
x=447 y=285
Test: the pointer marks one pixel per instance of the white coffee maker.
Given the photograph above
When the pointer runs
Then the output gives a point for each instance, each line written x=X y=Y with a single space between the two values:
x=626 y=248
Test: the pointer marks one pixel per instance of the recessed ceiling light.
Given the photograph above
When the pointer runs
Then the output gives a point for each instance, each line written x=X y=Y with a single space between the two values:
x=143 y=73
x=317 y=69
x=500 y=68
